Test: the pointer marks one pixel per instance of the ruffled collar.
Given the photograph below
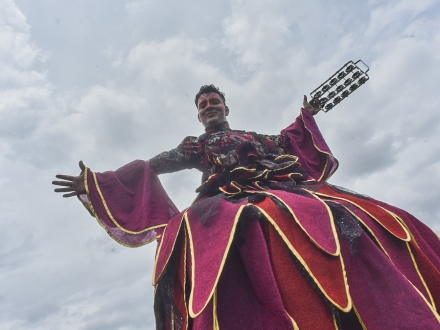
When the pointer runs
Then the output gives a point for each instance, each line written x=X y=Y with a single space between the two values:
x=223 y=126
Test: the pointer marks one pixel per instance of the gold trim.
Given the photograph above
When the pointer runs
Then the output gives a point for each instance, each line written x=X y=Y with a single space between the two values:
x=251 y=170
x=313 y=139
x=157 y=255
x=338 y=247
x=332 y=223
x=184 y=276
x=111 y=216
x=216 y=325
x=292 y=164
x=263 y=174
x=432 y=305
x=403 y=223
x=234 y=185
x=325 y=167
x=335 y=198
x=105 y=227
x=431 y=298
x=301 y=260
x=295 y=158
x=369 y=230
x=160 y=248
x=335 y=323
x=193 y=263
x=86 y=185
x=295 y=325
x=359 y=318
x=324 y=152
x=436 y=315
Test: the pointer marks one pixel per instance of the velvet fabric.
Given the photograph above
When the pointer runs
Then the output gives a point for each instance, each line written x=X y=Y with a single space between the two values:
x=269 y=244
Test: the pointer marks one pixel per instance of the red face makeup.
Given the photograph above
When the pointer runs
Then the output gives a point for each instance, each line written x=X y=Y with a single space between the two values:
x=211 y=109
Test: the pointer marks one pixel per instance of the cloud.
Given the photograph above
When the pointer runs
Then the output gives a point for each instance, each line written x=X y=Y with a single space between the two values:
x=56 y=108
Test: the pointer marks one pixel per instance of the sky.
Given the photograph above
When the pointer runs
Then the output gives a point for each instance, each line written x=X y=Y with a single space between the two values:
x=108 y=82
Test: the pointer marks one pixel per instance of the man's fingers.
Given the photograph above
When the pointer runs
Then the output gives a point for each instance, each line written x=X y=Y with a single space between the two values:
x=64 y=177
x=306 y=104
x=63 y=183
x=64 y=189
x=82 y=166
x=70 y=195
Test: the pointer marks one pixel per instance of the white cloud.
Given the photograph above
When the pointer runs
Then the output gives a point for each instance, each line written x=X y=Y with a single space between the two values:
x=265 y=56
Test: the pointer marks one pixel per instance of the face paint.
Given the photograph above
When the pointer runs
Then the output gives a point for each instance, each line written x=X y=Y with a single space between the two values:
x=208 y=99
x=212 y=110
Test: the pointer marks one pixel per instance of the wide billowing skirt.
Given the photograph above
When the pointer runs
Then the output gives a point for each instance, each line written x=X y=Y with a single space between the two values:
x=305 y=257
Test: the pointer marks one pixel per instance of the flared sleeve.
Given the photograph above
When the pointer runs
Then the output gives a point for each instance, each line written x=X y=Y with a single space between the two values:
x=307 y=143
x=130 y=203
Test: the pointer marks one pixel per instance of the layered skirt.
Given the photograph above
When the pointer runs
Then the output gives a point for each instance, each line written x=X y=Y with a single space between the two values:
x=310 y=256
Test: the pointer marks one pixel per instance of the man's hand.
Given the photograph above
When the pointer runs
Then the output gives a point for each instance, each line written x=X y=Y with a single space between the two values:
x=73 y=184
x=311 y=107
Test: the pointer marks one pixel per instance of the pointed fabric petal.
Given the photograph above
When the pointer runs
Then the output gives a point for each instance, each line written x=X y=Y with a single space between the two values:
x=301 y=300
x=382 y=216
x=180 y=286
x=396 y=250
x=313 y=216
x=430 y=273
x=211 y=224
x=327 y=271
x=169 y=298
x=206 y=319
x=383 y=297
x=426 y=239
x=166 y=245
x=248 y=296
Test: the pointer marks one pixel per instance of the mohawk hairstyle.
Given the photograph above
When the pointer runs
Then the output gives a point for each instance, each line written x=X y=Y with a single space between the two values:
x=209 y=89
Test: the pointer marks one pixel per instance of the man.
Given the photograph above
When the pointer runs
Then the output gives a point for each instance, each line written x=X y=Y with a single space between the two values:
x=212 y=111
x=268 y=244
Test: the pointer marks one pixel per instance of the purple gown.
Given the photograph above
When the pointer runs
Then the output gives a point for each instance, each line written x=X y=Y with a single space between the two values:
x=268 y=244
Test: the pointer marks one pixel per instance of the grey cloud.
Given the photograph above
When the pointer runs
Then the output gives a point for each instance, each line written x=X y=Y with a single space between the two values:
x=119 y=85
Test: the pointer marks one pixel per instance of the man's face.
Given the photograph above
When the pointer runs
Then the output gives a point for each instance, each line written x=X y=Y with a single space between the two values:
x=212 y=110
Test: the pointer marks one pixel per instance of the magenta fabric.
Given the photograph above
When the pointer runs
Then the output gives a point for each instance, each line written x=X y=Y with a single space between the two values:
x=426 y=239
x=308 y=144
x=133 y=202
x=381 y=215
x=167 y=245
x=396 y=249
x=211 y=227
x=226 y=258
x=248 y=296
x=383 y=297
x=314 y=217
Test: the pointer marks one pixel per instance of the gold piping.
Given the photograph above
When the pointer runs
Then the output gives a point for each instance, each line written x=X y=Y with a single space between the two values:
x=193 y=263
x=301 y=260
x=324 y=152
x=295 y=325
x=105 y=227
x=111 y=216
x=421 y=277
x=408 y=237
x=160 y=248
x=216 y=325
x=305 y=231
x=369 y=230
x=359 y=318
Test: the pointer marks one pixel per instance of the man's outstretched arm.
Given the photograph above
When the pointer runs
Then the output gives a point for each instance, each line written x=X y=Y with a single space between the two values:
x=72 y=185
